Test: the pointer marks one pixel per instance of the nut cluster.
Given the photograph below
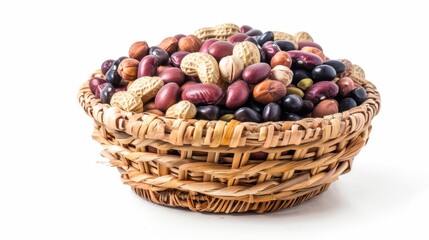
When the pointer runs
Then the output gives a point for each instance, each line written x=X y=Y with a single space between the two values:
x=229 y=72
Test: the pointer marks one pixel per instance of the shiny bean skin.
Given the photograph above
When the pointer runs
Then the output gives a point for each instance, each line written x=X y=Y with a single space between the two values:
x=160 y=54
x=237 y=94
x=173 y=74
x=148 y=66
x=209 y=112
x=202 y=93
x=255 y=73
x=246 y=114
x=167 y=96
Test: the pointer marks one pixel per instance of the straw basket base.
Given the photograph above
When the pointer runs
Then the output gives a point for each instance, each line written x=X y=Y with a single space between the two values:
x=205 y=203
x=230 y=167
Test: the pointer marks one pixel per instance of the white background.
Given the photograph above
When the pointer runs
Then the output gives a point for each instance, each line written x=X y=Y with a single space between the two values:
x=51 y=186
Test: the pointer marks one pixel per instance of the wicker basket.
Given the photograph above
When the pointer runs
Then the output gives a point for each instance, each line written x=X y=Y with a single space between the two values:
x=205 y=165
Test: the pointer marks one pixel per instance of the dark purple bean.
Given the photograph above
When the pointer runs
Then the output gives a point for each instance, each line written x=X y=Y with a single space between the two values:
x=337 y=65
x=251 y=39
x=323 y=73
x=285 y=45
x=290 y=117
x=265 y=37
x=272 y=112
x=209 y=112
x=112 y=75
x=246 y=114
x=160 y=54
x=254 y=32
x=107 y=93
x=300 y=74
x=347 y=104
x=292 y=103
x=307 y=108
x=359 y=95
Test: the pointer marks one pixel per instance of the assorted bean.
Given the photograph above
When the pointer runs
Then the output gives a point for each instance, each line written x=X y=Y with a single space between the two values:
x=250 y=76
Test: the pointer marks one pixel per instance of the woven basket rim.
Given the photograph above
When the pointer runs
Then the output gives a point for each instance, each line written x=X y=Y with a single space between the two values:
x=150 y=126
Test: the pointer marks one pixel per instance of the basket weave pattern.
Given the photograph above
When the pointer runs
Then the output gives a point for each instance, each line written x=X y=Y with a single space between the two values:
x=206 y=165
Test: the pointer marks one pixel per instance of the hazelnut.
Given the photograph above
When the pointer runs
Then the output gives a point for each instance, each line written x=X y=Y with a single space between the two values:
x=138 y=50
x=128 y=69
x=170 y=45
x=269 y=91
x=190 y=43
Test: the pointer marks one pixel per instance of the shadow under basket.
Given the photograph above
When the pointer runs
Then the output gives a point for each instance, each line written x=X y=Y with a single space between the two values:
x=226 y=167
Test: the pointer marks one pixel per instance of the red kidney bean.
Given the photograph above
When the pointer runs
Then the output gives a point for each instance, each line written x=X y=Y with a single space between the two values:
x=220 y=49
x=245 y=28
x=238 y=37
x=205 y=47
x=255 y=73
x=106 y=66
x=304 y=60
x=167 y=96
x=177 y=57
x=172 y=74
x=147 y=66
x=270 y=49
x=237 y=94
x=320 y=91
x=202 y=93
x=94 y=82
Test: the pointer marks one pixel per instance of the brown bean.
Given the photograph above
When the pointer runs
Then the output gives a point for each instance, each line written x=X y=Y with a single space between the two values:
x=167 y=96
x=156 y=111
x=325 y=107
x=221 y=49
x=345 y=85
x=172 y=74
x=269 y=91
x=314 y=50
x=149 y=106
x=255 y=73
x=147 y=66
x=281 y=58
x=207 y=93
x=237 y=94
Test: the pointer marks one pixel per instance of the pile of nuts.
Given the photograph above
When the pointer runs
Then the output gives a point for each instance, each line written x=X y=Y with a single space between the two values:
x=227 y=72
